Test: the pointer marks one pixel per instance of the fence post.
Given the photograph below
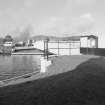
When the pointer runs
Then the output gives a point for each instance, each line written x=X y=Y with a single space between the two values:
x=47 y=48
x=58 y=47
x=70 y=48
x=44 y=49
x=87 y=47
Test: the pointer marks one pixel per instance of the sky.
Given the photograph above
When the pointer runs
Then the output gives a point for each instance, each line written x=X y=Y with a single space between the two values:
x=53 y=17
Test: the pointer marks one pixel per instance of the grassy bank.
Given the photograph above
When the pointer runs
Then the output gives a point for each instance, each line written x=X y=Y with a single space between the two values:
x=85 y=85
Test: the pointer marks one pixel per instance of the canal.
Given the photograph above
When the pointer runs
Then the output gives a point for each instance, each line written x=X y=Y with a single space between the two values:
x=16 y=65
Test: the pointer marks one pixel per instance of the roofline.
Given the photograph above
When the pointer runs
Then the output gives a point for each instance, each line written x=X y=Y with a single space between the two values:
x=89 y=36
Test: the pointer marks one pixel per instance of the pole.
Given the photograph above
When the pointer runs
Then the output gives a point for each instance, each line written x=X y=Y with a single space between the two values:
x=70 y=48
x=44 y=49
x=58 y=48
x=47 y=48
x=87 y=46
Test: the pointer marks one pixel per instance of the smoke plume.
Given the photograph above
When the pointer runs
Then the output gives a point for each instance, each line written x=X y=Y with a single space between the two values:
x=23 y=34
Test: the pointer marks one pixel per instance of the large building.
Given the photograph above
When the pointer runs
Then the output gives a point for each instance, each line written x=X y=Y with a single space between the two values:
x=68 y=47
x=89 y=41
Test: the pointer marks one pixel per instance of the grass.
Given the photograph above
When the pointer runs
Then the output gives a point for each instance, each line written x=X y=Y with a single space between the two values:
x=85 y=85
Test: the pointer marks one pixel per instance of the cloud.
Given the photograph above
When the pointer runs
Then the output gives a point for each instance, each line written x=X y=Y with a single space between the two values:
x=84 y=23
x=85 y=2
x=66 y=25
x=87 y=16
x=28 y=3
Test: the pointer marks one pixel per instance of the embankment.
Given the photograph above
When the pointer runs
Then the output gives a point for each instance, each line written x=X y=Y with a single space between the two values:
x=85 y=85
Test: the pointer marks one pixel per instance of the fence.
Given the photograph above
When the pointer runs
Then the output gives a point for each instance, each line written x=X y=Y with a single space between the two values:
x=62 y=47
x=93 y=51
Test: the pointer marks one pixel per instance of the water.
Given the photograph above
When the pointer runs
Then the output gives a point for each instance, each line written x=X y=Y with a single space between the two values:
x=16 y=65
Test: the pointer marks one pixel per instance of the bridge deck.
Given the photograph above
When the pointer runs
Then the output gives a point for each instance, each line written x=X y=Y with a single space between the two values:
x=29 y=51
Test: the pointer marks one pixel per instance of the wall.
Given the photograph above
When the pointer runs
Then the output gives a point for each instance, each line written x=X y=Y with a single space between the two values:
x=84 y=41
x=93 y=51
x=89 y=42
x=8 y=44
x=64 y=47
x=39 y=45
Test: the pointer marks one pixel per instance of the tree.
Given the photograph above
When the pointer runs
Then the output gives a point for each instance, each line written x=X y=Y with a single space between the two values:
x=8 y=38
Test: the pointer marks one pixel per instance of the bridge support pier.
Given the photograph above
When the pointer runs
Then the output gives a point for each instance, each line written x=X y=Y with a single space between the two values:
x=44 y=64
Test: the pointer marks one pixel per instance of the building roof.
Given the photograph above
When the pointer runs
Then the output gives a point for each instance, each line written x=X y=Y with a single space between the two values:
x=91 y=36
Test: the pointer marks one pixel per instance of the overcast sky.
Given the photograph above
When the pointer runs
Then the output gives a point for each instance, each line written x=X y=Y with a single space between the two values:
x=53 y=17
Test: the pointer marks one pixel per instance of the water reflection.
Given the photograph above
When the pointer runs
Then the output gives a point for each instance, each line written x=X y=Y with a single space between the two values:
x=17 y=65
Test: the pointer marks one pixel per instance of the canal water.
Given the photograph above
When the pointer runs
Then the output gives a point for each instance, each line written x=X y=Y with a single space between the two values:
x=16 y=65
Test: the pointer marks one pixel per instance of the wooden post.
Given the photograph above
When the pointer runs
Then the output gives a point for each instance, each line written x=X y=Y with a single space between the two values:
x=58 y=48
x=70 y=48
x=87 y=47
x=44 y=49
x=47 y=49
